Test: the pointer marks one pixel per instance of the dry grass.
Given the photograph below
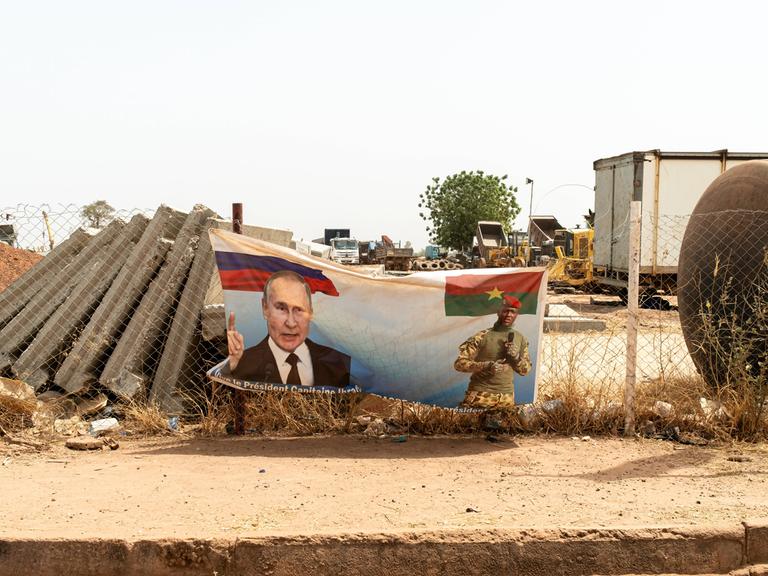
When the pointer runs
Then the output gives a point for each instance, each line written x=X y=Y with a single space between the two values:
x=432 y=420
x=567 y=404
x=567 y=410
x=215 y=410
x=15 y=414
x=733 y=344
x=301 y=414
x=142 y=418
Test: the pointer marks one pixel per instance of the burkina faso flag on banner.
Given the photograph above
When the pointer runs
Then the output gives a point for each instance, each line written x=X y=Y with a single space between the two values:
x=481 y=294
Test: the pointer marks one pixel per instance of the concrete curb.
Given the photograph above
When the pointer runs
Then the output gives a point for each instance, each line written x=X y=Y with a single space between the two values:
x=756 y=541
x=572 y=552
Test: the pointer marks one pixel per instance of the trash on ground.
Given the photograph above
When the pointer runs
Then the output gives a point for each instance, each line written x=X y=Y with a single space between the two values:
x=552 y=405
x=662 y=409
x=84 y=443
x=103 y=425
x=110 y=443
x=73 y=426
x=376 y=428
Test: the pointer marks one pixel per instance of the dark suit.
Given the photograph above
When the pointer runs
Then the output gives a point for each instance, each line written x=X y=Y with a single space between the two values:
x=258 y=364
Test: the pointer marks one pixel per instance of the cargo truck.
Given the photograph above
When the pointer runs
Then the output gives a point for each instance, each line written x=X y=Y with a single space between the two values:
x=668 y=184
x=345 y=251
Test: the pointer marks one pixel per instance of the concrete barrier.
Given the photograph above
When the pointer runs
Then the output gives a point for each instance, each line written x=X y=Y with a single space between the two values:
x=574 y=552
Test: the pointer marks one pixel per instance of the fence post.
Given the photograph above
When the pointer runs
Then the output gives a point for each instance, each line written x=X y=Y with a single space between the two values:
x=633 y=282
x=239 y=396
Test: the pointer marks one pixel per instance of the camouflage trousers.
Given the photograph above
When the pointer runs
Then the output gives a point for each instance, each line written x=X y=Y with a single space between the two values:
x=487 y=400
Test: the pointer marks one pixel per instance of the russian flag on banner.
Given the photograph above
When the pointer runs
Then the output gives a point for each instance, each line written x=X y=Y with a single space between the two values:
x=248 y=272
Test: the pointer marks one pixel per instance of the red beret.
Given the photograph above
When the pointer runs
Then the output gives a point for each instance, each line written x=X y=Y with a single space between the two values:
x=510 y=300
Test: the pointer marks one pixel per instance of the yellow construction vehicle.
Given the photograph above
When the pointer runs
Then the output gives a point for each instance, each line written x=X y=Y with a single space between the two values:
x=572 y=264
x=493 y=249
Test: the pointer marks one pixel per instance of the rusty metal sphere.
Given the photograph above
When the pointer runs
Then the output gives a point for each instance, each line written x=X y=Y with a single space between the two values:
x=722 y=271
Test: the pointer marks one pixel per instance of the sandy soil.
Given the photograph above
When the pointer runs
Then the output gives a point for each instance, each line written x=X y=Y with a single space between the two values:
x=231 y=487
x=13 y=263
x=609 y=309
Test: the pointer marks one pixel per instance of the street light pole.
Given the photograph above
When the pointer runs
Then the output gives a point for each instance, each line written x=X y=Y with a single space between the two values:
x=530 y=209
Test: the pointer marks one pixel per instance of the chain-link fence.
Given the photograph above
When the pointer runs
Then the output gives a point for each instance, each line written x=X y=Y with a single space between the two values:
x=39 y=229
x=703 y=287
x=137 y=309
x=589 y=345
x=119 y=305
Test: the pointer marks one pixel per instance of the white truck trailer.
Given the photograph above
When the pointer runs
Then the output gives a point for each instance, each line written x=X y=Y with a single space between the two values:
x=669 y=184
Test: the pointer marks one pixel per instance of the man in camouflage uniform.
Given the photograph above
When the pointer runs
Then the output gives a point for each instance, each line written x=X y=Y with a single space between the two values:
x=493 y=356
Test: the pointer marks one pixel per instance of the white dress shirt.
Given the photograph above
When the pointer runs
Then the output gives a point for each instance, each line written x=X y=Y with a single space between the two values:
x=304 y=365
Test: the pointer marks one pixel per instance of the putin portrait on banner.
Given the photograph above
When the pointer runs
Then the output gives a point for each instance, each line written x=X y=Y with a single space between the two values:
x=286 y=355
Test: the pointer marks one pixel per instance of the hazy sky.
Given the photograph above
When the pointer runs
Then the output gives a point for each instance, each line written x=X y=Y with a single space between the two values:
x=338 y=114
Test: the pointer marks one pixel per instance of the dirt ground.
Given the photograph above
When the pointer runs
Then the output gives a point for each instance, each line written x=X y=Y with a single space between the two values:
x=614 y=314
x=13 y=263
x=233 y=487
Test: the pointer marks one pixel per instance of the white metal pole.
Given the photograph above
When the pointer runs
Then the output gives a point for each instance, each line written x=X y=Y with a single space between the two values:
x=633 y=283
x=530 y=211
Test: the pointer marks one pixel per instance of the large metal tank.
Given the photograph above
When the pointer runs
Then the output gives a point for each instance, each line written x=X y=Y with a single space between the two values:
x=723 y=276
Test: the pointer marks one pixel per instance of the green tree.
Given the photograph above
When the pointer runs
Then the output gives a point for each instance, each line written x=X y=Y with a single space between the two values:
x=460 y=201
x=97 y=213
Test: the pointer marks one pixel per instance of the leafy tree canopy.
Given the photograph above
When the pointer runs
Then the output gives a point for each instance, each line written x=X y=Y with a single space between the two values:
x=460 y=201
x=97 y=213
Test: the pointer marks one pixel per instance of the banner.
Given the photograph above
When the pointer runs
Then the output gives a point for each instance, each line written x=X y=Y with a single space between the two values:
x=459 y=338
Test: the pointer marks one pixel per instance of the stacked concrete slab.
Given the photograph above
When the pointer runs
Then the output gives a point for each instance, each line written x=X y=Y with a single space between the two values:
x=53 y=291
x=121 y=309
x=176 y=366
x=128 y=370
x=16 y=296
x=95 y=277
x=80 y=369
